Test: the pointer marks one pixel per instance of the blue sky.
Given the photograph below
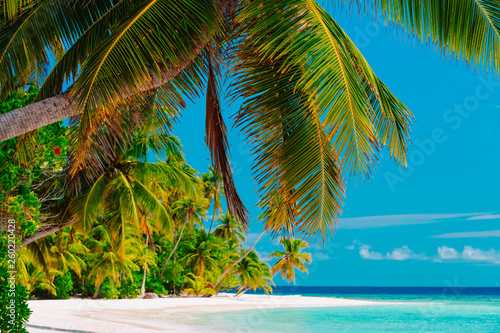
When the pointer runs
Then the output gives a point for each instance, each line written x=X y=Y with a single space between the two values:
x=433 y=224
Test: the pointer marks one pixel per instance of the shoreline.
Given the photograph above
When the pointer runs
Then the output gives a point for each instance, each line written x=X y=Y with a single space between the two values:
x=152 y=315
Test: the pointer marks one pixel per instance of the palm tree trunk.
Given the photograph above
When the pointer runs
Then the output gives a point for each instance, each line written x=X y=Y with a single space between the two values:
x=240 y=259
x=96 y=291
x=96 y=287
x=212 y=223
x=60 y=107
x=175 y=246
x=143 y=285
x=242 y=292
x=43 y=233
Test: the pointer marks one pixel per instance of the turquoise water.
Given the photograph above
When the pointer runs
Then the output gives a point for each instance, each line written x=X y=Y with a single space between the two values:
x=412 y=313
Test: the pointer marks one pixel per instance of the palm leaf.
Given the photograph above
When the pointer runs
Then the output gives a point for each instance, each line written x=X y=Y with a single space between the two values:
x=87 y=206
x=217 y=142
x=47 y=27
x=155 y=207
x=307 y=85
x=468 y=29
x=137 y=50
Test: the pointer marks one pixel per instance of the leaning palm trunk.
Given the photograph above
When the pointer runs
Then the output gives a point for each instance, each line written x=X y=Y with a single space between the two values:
x=240 y=259
x=175 y=246
x=242 y=291
x=62 y=106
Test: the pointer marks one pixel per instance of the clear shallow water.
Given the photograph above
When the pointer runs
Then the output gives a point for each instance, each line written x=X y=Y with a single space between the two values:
x=413 y=313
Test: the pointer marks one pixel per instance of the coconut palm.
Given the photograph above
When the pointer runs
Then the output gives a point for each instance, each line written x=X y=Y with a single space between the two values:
x=229 y=229
x=230 y=267
x=204 y=254
x=109 y=259
x=306 y=89
x=253 y=274
x=128 y=190
x=66 y=250
x=291 y=258
x=190 y=212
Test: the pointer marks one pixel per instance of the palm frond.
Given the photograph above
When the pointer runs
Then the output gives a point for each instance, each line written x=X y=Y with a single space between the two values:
x=313 y=109
x=48 y=28
x=217 y=142
x=87 y=206
x=137 y=50
x=155 y=207
x=469 y=30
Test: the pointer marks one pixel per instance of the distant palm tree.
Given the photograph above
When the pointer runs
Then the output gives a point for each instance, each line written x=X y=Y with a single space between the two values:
x=230 y=268
x=145 y=260
x=189 y=211
x=203 y=254
x=130 y=190
x=66 y=250
x=230 y=229
x=291 y=258
x=109 y=261
x=253 y=274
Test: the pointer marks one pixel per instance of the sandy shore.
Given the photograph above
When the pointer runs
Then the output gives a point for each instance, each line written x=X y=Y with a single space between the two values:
x=155 y=315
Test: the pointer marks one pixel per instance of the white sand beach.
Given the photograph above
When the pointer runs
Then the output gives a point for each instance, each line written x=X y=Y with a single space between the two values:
x=155 y=315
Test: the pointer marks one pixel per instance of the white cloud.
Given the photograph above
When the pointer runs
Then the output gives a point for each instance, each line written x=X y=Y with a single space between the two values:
x=471 y=234
x=485 y=217
x=399 y=254
x=396 y=220
x=263 y=255
x=404 y=253
x=365 y=253
x=469 y=254
x=351 y=247
x=445 y=252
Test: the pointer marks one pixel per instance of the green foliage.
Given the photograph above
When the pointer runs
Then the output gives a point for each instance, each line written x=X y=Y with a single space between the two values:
x=130 y=288
x=198 y=286
x=14 y=311
x=173 y=278
x=64 y=286
x=18 y=178
x=109 y=290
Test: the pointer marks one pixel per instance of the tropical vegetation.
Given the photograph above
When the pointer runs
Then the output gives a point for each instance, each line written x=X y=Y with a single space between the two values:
x=107 y=206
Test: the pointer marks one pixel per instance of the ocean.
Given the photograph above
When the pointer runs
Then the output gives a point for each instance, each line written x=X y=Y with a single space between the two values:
x=416 y=309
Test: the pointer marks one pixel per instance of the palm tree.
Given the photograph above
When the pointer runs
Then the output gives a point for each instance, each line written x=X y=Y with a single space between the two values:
x=212 y=188
x=146 y=259
x=229 y=229
x=253 y=274
x=230 y=267
x=109 y=260
x=128 y=189
x=291 y=258
x=306 y=89
x=204 y=254
x=191 y=213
